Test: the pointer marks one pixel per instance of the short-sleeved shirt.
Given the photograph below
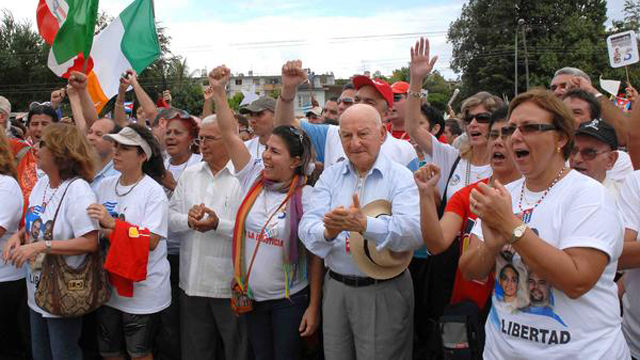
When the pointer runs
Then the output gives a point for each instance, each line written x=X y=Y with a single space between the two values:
x=529 y=318
x=143 y=204
x=10 y=214
x=72 y=222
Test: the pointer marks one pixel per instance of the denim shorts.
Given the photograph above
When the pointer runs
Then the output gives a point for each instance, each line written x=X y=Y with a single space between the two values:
x=118 y=330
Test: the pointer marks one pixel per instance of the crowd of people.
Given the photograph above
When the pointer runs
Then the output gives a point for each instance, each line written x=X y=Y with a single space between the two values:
x=370 y=228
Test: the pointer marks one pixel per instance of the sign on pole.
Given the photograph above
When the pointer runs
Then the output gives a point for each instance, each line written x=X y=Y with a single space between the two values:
x=623 y=49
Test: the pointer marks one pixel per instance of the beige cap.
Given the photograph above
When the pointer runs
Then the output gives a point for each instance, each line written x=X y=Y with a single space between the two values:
x=5 y=105
x=316 y=110
x=128 y=136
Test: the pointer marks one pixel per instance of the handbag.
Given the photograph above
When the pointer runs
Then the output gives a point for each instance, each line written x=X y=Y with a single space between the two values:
x=70 y=292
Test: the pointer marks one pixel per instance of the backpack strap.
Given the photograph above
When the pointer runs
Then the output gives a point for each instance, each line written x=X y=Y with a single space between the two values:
x=443 y=203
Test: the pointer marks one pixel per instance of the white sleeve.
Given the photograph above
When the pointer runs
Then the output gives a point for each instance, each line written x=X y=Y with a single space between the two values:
x=156 y=213
x=629 y=202
x=178 y=212
x=77 y=200
x=249 y=173
x=11 y=208
x=443 y=155
x=591 y=220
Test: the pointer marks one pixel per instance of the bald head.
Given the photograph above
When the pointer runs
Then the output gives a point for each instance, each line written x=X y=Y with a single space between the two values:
x=361 y=113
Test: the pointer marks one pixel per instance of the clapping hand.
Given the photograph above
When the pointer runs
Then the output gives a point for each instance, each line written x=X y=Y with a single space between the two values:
x=421 y=62
x=493 y=205
x=198 y=221
x=342 y=219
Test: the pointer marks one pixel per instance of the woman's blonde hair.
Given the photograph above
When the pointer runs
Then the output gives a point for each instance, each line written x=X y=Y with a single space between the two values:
x=561 y=116
x=71 y=151
x=7 y=160
x=489 y=101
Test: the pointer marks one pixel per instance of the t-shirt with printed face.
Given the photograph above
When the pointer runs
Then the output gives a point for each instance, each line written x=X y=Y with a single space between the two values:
x=10 y=214
x=72 y=222
x=530 y=319
x=629 y=204
x=145 y=204
x=267 y=278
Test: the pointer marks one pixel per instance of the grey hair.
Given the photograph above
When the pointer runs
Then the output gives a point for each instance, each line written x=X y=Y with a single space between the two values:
x=572 y=71
x=210 y=119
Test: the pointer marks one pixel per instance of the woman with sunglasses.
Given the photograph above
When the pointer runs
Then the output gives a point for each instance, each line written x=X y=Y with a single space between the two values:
x=56 y=223
x=556 y=227
x=127 y=324
x=272 y=266
x=459 y=167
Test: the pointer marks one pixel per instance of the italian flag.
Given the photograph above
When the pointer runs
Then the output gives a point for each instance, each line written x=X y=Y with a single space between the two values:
x=129 y=42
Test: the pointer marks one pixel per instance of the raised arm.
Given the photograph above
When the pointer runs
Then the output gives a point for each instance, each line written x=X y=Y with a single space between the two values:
x=144 y=99
x=79 y=82
x=76 y=109
x=240 y=156
x=207 y=107
x=119 y=116
x=292 y=77
x=420 y=67
x=633 y=136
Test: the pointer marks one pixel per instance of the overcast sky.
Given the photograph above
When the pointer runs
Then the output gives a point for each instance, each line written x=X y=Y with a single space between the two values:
x=345 y=37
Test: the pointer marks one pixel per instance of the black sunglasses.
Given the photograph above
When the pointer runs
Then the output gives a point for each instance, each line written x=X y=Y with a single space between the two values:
x=346 y=100
x=587 y=154
x=481 y=118
x=527 y=129
x=172 y=113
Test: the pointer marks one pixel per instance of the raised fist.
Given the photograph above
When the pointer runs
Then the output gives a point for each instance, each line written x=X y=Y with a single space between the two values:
x=218 y=79
x=292 y=74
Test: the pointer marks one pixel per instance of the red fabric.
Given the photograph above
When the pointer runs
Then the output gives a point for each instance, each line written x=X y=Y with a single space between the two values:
x=474 y=290
x=443 y=139
x=398 y=134
x=127 y=257
x=47 y=23
x=161 y=103
x=27 y=175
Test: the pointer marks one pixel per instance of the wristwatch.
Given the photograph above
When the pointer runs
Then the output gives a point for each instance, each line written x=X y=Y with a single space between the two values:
x=47 y=246
x=518 y=233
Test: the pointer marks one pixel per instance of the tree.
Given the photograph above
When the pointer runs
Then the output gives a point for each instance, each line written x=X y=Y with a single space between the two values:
x=558 y=34
x=24 y=75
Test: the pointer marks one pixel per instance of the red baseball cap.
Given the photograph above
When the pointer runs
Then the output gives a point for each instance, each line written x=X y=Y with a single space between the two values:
x=383 y=88
x=400 y=87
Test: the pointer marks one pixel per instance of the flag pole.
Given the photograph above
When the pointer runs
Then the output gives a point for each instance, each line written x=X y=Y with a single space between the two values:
x=626 y=69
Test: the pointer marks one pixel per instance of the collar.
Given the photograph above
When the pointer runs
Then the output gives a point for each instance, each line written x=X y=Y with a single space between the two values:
x=227 y=168
x=107 y=167
x=381 y=166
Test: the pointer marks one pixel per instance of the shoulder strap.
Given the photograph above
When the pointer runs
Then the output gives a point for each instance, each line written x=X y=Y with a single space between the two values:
x=443 y=203
x=60 y=202
x=22 y=153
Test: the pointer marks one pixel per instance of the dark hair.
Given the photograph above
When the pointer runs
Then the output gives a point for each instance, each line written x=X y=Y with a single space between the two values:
x=509 y=266
x=594 y=105
x=499 y=115
x=298 y=144
x=333 y=98
x=348 y=86
x=434 y=117
x=454 y=126
x=154 y=166
x=242 y=120
x=42 y=109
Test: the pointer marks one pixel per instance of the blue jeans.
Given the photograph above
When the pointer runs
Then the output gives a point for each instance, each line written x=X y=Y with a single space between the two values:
x=55 y=338
x=273 y=327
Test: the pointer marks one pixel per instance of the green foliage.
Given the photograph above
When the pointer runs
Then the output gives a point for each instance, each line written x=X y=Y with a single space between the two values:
x=401 y=74
x=24 y=75
x=558 y=34
x=235 y=100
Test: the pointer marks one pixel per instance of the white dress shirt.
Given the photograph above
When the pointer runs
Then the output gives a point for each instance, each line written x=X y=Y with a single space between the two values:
x=387 y=180
x=206 y=267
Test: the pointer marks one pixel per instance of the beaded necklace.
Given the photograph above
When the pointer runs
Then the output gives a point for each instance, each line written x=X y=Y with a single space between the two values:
x=544 y=194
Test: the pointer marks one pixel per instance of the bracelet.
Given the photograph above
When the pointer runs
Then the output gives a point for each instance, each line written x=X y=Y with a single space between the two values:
x=286 y=100
x=415 y=94
x=598 y=95
x=118 y=104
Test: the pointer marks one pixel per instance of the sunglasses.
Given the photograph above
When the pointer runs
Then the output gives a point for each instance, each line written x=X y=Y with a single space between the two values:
x=527 y=129
x=500 y=133
x=397 y=97
x=587 y=154
x=481 y=118
x=173 y=113
x=40 y=107
x=346 y=100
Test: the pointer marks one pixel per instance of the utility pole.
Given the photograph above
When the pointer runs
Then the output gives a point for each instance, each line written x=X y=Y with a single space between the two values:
x=516 y=64
x=521 y=22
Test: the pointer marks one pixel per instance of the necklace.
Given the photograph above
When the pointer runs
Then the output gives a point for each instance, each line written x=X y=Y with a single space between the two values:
x=44 y=194
x=544 y=194
x=130 y=189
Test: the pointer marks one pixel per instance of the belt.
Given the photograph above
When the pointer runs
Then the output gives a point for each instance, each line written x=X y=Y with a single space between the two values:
x=358 y=281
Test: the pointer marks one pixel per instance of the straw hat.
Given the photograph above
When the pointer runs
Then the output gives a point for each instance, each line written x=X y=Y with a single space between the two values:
x=380 y=265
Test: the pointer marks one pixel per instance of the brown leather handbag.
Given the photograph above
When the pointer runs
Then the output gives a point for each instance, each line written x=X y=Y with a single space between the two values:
x=70 y=292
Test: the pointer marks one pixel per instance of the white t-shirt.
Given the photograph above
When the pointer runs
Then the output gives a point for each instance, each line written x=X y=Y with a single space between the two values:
x=10 y=214
x=267 y=278
x=621 y=169
x=145 y=205
x=400 y=151
x=629 y=204
x=173 y=245
x=543 y=322
x=255 y=147
x=72 y=222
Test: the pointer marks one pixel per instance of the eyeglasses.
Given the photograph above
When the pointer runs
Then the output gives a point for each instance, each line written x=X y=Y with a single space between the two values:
x=587 y=154
x=528 y=129
x=346 y=100
x=202 y=139
x=481 y=118
x=500 y=133
x=295 y=132
x=397 y=97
